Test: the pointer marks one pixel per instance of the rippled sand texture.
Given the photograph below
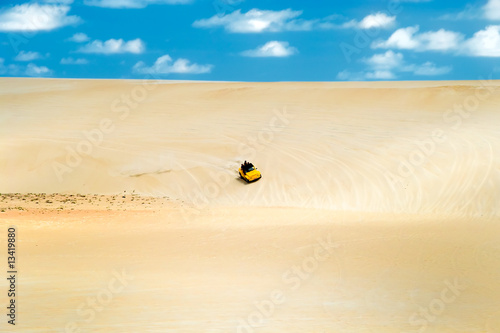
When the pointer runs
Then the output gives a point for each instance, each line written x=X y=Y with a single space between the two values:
x=378 y=210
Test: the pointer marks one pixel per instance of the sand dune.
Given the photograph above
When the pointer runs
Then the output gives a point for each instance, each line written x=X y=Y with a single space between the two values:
x=399 y=179
x=319 y=145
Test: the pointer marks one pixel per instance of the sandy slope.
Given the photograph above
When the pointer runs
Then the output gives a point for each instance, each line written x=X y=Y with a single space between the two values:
x=399 y=180
x=318 y=144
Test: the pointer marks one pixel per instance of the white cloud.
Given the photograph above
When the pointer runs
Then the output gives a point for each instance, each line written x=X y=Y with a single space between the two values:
x=430 y=69
x=59 y=2
x=346 y=75
x=79 y=37
x=8 y=69
x=385 y=61
x=366 y=75
x=470 y=12
x=271 y=49
x=34 y=70
x=409 y=39
x=441 y=40
x=492 y=10
x=401 y=39
x=30 y=70
x=377 y=20
x=132 y=3
x=27 y=56
x=166 y=65
x=256 y=20
x=380 y=75
x=381 y=66
x=36 y=17
x=387 y=66
x=113 y=46
x=71 y=61
x=484 y=43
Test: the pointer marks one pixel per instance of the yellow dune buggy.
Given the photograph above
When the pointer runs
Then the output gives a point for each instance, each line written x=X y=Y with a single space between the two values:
x=249 y=173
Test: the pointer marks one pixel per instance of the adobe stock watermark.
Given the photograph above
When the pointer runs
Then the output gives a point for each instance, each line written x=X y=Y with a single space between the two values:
x=200 y=198
x=487 y=258
x=454 y=118
x=87 y=311
x=428 y=314
x=364 y=37
x=33 y=24
x=121 y=108
x=224 y=6
x=293 y=279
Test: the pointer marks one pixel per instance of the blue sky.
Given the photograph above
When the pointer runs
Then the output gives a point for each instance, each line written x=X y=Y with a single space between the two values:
x=251 y=40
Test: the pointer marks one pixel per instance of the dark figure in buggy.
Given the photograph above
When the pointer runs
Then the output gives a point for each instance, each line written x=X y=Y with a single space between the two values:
x=247 y=166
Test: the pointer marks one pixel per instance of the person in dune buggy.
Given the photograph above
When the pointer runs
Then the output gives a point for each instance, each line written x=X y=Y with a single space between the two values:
x=247 y=166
